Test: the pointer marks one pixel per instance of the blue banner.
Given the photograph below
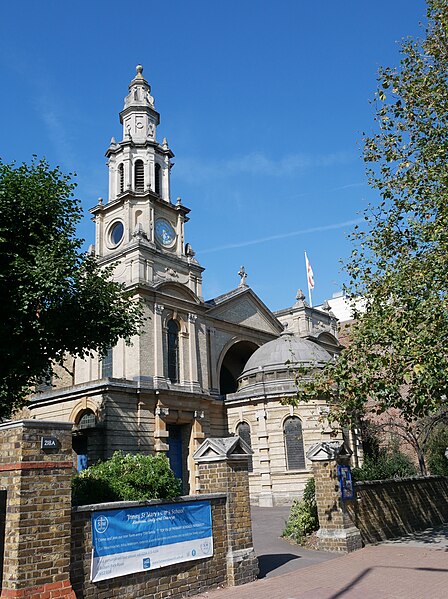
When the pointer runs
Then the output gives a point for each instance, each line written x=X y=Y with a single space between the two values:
x=345 y=482
x=146 y=538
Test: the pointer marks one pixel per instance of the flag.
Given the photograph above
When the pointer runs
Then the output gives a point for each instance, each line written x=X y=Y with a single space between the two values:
x=309 y=273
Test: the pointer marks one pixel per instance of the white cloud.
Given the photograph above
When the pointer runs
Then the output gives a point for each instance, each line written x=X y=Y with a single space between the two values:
x=260 y=240
x=255 y=163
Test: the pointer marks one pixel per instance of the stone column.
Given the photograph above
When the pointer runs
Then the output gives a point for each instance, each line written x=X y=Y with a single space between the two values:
x=337 y=531
x=36 y=464
x=222 y=468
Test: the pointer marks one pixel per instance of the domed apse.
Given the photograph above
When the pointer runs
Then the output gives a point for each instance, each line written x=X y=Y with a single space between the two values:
x=233 y=365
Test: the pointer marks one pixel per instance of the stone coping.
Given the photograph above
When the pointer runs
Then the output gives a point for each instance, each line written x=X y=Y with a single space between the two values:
x=119 y=505
x=105 y=385
x=393 y=481
x=33 y=423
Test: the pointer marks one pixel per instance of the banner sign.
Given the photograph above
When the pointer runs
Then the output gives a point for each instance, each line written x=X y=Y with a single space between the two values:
x=150 y=537
x=345 y=482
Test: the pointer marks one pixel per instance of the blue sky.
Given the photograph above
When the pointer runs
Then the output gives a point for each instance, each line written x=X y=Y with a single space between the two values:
x=263 y=103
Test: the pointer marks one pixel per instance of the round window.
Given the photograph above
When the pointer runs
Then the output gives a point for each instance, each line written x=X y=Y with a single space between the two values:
x=116 y=233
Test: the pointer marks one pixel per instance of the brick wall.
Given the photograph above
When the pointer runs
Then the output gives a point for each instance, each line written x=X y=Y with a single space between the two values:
x=36 y=521
x=390 y=508
x=48 y=544
x=179 y=580
x=232 y=478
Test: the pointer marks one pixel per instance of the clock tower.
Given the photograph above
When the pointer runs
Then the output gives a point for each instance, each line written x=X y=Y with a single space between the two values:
x=139 y=229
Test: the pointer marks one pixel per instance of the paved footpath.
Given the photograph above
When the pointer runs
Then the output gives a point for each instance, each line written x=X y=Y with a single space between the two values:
x=375 y=572
x=411 y=567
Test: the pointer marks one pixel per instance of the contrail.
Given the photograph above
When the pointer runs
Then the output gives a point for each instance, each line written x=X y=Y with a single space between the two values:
x=319 y=229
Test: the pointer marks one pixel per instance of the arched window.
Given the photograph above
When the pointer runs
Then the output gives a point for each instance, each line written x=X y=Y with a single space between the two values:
x=294 y=449
x=87 y=420
x=139 y=176
x=157 y=178
x=243 y=431
x=173 y=350
x=120 y=178
x=107 y=364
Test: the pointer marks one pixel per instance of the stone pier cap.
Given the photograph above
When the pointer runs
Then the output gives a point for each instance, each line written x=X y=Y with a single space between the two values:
x=328 y=450
x=223 y=448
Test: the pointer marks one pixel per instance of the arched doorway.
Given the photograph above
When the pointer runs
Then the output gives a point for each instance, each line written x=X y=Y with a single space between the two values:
x=85 y=426
x=233 y=364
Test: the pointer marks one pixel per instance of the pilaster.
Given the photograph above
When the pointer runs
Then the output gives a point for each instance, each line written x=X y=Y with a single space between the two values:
x=192 y=352
x=160 y=433
x=265 y=497
x=158 y=345
x=213 y=375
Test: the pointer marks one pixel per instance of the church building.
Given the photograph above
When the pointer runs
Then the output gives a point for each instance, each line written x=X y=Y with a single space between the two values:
x=201 y=368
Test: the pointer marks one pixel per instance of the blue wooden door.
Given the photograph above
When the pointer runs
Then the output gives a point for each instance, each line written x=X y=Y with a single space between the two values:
x=175 y=449
x=80 y=448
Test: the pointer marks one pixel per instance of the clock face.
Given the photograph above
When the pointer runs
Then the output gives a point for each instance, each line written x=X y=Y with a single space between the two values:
x=165 y=233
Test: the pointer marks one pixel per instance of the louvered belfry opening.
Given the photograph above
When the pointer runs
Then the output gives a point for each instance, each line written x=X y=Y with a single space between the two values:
x=139 y=176
x=157 y=179
x=121 y=178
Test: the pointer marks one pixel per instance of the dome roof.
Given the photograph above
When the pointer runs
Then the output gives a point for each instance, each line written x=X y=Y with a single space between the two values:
x=287 y=350
x=271 y=369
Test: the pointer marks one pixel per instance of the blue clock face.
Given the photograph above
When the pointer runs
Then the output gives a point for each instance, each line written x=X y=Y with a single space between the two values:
x=165 y=233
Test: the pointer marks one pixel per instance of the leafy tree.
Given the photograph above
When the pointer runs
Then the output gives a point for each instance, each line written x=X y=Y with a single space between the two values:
x=386 y=462
x=54 y=299
x=126 y=477
x=416 y=434
x=398 y=355
x=436 y=448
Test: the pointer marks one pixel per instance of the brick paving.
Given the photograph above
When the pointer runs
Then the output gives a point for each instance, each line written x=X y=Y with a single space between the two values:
x=375 y=572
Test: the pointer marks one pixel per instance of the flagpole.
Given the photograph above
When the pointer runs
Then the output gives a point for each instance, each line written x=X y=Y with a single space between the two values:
x=308 y=280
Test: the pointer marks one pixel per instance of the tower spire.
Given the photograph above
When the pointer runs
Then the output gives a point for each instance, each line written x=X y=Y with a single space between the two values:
x=138 y=163
x=139 y=117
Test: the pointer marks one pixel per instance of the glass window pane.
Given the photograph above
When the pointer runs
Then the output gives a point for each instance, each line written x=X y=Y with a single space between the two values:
x=243 y=431
x=295 y=451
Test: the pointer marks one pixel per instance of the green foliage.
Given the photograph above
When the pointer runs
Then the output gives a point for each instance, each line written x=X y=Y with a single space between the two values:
x=126 y=477
x=303 y=519
x=386 y=463
x=437 y=445
x=54 y=298
x=399 y=265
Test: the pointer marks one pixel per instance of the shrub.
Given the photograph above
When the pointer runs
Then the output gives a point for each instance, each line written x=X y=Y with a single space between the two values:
x=303 y=518
x=386 y=463
x=126 y=477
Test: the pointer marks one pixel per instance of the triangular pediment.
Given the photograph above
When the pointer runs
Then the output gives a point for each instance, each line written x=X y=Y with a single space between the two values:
x=331 y=450
x=222 y=448
x=244 y=307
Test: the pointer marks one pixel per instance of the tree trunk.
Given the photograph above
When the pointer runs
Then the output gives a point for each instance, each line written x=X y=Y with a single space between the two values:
x=421 y=462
